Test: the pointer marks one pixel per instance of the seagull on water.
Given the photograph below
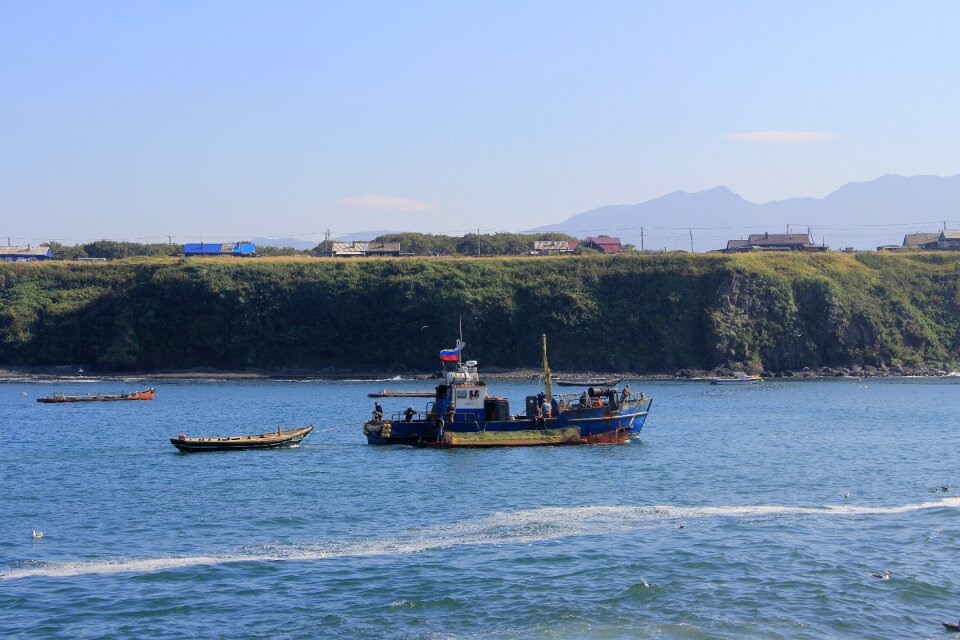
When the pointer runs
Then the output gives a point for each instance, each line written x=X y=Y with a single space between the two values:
x=882 y=575
x=37 y=534
x=846 y=494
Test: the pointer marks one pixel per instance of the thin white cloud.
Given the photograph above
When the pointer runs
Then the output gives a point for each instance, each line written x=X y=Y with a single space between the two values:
x=386 y=203
x=780 y=136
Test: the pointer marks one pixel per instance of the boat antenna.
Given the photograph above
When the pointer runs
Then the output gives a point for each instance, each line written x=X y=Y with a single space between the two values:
x=546 y=370
x=460 y=342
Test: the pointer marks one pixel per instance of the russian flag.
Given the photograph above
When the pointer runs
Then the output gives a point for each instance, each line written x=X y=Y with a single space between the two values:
x=452 y=354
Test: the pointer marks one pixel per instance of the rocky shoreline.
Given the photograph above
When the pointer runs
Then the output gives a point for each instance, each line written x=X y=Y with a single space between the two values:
x=10 y=374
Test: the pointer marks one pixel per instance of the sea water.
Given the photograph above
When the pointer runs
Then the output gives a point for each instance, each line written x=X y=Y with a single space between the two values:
x=789 y=509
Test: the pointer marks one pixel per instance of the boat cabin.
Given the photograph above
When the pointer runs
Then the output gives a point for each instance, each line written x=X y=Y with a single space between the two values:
x=463 y=390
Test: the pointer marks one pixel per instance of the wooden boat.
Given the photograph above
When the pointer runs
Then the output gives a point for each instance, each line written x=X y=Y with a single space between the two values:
x=387 y=393
x=589 y=382
x=524 y=438
x=146 y=394
x=738 y=378
x=271 y=440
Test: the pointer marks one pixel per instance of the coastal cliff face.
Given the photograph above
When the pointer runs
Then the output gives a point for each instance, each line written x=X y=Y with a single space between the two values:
x=642 y=313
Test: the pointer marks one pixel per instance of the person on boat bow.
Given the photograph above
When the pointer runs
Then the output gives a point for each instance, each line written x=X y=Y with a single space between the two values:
x=626 y=394
x=377 y=412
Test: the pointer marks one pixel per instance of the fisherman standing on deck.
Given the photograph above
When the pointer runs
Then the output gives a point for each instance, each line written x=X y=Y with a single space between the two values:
x=625 y=394
x=409 y=413
x=377 y=412
x=546 y=409
x=451 y=413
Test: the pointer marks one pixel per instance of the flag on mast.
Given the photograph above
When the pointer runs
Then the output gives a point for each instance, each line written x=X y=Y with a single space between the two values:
x=452 y=354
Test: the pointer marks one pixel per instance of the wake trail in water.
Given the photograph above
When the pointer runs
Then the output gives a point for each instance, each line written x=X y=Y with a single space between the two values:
x=527 y=526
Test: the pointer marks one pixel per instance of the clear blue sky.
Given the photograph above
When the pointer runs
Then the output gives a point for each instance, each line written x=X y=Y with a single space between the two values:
x=231 y=119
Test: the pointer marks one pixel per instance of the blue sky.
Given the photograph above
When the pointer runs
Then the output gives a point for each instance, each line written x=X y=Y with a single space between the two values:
x=226 y=120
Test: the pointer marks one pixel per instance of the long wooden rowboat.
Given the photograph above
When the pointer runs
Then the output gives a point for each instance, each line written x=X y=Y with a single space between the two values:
x=588 y=382
x=272 y=440
x=146 y=394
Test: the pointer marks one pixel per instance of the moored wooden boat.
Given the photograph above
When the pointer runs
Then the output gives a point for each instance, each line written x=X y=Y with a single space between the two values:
x=588 y=382
x=387 y=393
x=739 y=378
x=524 y=438
x=59 y=397
x=271 y=440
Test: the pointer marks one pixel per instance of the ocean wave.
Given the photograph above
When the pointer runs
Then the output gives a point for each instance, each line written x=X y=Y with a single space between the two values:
x=520 y=527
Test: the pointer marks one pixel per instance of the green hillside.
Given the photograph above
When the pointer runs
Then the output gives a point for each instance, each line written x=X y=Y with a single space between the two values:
x=645 y=313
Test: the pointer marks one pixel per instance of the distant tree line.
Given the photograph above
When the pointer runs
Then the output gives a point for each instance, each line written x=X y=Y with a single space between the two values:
x=112 y=250
x=471 y=244
x=418 y=244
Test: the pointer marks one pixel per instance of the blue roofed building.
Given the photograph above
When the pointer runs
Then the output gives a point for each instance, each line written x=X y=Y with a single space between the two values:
x=245 y=249
x=25 y=253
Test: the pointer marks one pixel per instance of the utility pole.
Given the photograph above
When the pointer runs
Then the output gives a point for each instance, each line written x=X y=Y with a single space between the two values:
x=170 y=240
x=691 y=240
x=788 y=228
x=641 y=239
x=478 y=243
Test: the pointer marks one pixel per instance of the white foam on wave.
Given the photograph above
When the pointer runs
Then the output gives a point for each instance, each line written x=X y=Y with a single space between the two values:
x=520 y=527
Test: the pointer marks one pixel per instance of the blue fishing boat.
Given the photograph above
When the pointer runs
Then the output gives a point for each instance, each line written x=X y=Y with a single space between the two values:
x=463 y=413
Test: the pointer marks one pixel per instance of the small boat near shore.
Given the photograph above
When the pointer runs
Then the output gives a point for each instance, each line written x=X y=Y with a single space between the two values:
x=738 y=378
x=387 y=393
x=271 y=440
x=59 y=397
x=588 y=382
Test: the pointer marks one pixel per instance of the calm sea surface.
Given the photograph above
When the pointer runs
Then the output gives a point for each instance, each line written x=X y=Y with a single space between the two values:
x=726 y=519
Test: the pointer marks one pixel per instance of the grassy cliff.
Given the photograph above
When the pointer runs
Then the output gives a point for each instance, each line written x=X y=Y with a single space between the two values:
x=649 y=313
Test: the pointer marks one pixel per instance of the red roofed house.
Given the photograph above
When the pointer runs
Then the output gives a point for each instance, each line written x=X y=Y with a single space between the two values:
x=604 y=244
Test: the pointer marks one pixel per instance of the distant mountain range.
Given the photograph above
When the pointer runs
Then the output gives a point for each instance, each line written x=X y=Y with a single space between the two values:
x=859 y=214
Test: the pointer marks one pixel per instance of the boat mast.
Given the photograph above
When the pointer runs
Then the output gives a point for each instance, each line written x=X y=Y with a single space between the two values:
x=546 y=370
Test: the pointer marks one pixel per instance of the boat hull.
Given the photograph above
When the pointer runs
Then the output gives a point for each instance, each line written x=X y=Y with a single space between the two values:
x=272 y=440
x=137 y=395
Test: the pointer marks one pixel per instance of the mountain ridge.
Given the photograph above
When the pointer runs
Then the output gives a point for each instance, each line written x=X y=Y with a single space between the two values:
x=853 y=215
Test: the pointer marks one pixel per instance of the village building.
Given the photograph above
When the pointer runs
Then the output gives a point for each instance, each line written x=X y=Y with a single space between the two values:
x=603 y=244
x=245 y=249
x=774 y=242
x=946 y=240
x=361 y=249
x=553 y=247
x=920 y=240
x=26 y=253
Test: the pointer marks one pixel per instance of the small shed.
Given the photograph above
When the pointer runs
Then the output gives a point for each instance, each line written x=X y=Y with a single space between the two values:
x=27 y=253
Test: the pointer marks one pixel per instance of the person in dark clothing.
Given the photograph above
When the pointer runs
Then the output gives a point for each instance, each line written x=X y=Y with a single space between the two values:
x=377 y=412
x=409 y=413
